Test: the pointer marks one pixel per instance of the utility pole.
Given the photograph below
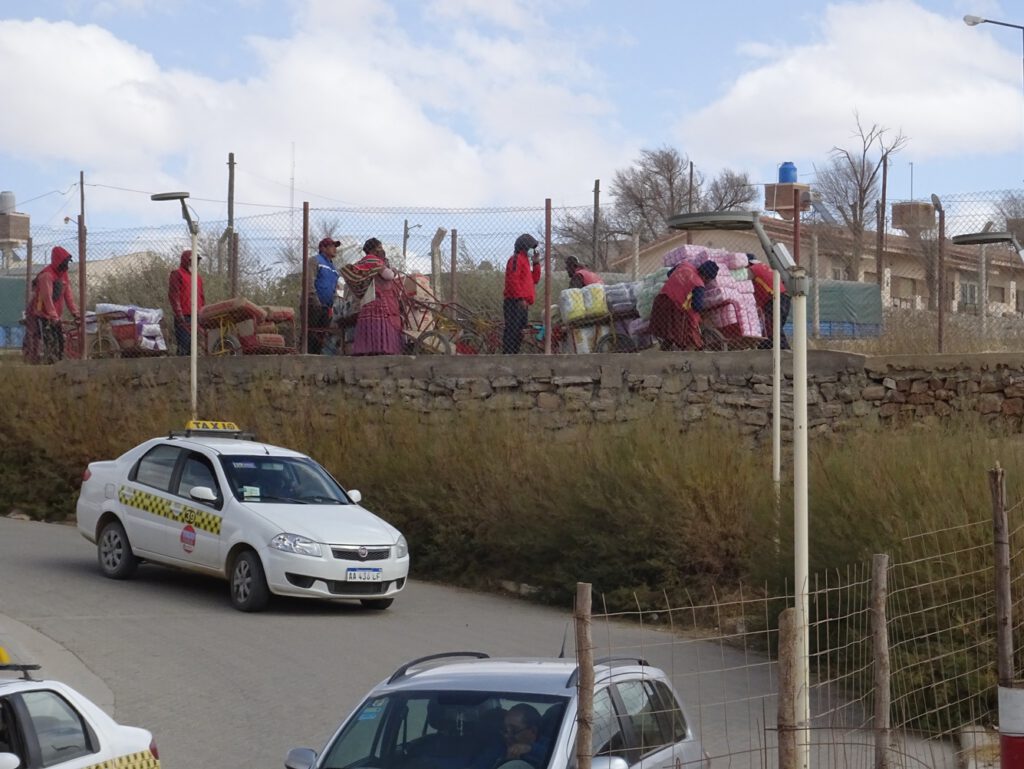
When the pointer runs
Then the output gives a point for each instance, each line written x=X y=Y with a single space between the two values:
x=231 y=212
x=597 y=218
x=405 y=238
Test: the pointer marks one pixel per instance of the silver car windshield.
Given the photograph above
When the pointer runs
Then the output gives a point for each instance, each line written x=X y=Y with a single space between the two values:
x=267 y=479
x=449 y=730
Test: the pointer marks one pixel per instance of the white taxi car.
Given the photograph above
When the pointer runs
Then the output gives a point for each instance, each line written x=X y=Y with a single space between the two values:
x=47 y=723
x=212 y=499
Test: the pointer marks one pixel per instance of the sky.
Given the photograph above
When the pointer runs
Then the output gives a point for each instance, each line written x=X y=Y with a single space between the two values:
x=485 y=103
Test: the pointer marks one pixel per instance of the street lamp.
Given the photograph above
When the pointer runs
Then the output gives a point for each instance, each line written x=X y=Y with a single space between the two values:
x=405 y=238
x=193 y=228
x=973 y=21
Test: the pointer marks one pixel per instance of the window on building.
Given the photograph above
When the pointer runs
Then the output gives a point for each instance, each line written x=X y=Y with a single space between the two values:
x=904 y=288
x=997 y=294
x=840 y=273
x=968 y=293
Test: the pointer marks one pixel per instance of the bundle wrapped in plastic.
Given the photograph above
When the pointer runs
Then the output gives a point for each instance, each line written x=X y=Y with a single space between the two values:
x=594 y=300
x=621 y=297
x=647 y=288
x=571 y=306
x=689 y=253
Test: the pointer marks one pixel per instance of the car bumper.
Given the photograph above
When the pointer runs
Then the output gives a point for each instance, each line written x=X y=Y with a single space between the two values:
x=327 y=577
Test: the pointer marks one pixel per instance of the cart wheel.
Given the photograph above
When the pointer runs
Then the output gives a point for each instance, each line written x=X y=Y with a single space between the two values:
x=103 y=347
x=226 y=344
x=470 y=343
x=432 y=343
x=615 y=343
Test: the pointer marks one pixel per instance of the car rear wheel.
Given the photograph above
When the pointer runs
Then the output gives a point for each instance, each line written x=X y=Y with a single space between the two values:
x=377 y=603
x=114 y=552
x=249 y=591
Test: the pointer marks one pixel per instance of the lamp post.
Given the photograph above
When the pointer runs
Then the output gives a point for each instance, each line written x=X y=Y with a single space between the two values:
x=193 y=228
x=405 y=238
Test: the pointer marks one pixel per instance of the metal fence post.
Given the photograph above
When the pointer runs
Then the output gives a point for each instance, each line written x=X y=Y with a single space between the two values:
x=790 y=682
x=455 y=256
x=304 y=294
x=1001 y=553
x=585 y=679
x=28 y=276
x=880 y=648
x=547 y=276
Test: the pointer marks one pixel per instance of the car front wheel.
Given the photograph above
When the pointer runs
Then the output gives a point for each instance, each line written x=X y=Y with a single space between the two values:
x=249 y=591
x=114 y=552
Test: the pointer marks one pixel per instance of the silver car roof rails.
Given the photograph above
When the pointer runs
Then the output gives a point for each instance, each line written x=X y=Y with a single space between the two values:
x=402 y=670
x=609 y=661
x=23 y=669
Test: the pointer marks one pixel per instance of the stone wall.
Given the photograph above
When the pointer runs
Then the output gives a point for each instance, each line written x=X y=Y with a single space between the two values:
x=845 y=390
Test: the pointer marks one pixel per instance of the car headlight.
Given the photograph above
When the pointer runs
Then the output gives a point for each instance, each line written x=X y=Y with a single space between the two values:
x=401 y=547
x=294 y=543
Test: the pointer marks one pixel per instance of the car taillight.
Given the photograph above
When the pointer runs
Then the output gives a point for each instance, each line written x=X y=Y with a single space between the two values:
x=87 y=474
x=153 y=750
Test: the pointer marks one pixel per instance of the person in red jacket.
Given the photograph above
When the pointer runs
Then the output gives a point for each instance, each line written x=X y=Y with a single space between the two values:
x=675 y=315
x=764 y=297
x=522 y=274
x=179 y=292
x=580 y=276
x=51 y=292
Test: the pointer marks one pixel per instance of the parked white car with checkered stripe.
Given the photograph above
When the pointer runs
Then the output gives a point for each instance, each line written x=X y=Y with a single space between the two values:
x=49 y=724
x=213 y=500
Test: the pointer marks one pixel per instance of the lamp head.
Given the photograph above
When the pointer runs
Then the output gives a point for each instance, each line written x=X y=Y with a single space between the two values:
x=973 y=21
x=936 y=202
x=169 y=196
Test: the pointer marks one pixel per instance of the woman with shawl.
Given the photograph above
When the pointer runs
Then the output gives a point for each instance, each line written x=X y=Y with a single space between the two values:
x=376 y=285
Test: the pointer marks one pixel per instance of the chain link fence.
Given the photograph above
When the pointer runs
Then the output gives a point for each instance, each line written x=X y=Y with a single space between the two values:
x=872 y=290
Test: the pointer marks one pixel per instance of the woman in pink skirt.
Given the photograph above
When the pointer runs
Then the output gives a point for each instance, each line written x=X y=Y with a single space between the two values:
x=379 y=324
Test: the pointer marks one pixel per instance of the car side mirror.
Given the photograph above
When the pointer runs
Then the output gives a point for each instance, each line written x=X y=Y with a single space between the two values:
x=9 y=761
x=300 y=758
x=356 y=496
x=203 y=494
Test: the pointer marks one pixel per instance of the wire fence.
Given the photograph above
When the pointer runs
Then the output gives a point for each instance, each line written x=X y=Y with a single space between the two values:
x=934 y=702
x=872 y=289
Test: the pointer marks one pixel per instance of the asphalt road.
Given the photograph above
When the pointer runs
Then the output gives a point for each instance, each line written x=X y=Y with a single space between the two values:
x=217 y=687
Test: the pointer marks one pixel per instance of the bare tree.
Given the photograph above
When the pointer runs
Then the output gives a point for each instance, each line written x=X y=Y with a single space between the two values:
x=654 y=188
x=848 y=185
x=729 y=191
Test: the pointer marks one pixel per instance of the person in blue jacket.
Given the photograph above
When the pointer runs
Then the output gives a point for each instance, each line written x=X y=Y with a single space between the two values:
x=321 y=298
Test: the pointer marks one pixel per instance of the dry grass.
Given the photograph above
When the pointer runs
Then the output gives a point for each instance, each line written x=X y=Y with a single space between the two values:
x=638 y=507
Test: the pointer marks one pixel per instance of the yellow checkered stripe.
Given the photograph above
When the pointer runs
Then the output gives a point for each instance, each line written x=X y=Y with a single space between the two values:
x=142 y=760
x=156 y=505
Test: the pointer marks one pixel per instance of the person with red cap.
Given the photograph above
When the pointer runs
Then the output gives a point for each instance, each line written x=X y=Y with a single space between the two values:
x=51 y=292
x=322 y=287
x=179 y=292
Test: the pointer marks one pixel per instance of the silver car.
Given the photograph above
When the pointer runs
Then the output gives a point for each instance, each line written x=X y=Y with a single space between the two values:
x=464 y=710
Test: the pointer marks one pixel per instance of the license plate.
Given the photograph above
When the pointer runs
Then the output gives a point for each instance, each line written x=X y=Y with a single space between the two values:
x=363 y=575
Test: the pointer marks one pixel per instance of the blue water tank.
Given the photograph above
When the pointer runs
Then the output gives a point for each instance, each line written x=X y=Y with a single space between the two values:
x=787 y=173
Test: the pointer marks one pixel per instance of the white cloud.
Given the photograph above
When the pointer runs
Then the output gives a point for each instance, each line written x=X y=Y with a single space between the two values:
x=377 y=117
x=947 y=87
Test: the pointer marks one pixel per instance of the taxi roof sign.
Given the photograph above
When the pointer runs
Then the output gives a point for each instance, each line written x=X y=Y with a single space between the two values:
x=211 y=429
x=205 y=424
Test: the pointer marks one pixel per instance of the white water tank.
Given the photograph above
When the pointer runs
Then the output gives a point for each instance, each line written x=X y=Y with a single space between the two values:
x=6 y=202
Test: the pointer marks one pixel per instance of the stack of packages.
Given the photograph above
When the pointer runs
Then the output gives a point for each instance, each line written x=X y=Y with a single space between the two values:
x=729 y=302
x=581 y=309
x=646 y=289
x=133 y=327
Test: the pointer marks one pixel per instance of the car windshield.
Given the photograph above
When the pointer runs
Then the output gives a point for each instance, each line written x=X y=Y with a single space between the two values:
x=296 y=480
x=449 y=730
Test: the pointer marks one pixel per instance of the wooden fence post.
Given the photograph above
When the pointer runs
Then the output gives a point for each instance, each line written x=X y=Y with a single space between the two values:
x=880 y=643
x=585 y=680
x=789 y=687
